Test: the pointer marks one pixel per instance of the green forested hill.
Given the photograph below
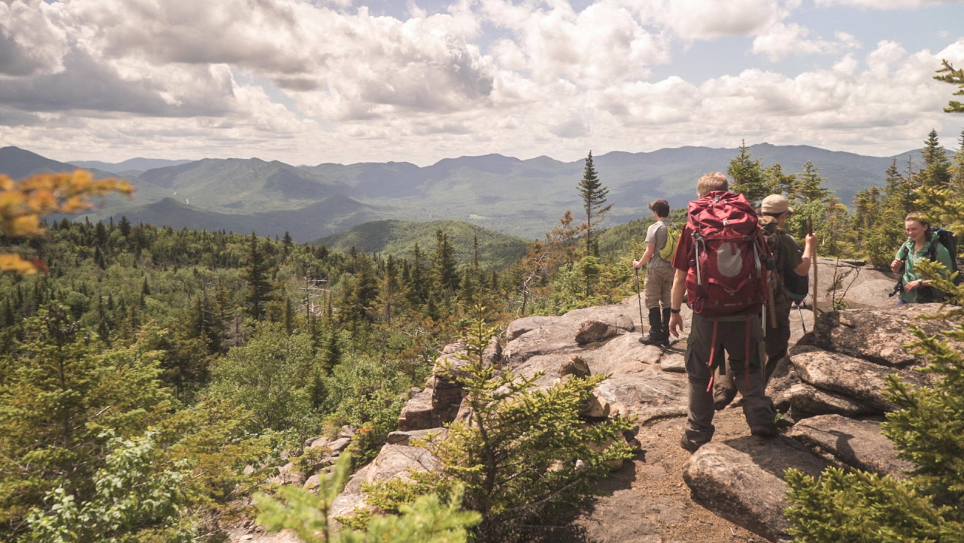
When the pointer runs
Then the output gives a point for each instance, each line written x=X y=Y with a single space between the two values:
x=303 y=224
x=398 y=238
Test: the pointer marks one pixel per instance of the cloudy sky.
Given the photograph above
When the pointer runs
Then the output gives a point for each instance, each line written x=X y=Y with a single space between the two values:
x=377 y=80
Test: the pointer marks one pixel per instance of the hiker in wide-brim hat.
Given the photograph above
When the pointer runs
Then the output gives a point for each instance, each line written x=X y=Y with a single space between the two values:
x=791 y=266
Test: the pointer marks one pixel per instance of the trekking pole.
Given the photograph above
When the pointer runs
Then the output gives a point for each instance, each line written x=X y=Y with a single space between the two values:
x=814 y=258
x=799 y=309
x=639 y=299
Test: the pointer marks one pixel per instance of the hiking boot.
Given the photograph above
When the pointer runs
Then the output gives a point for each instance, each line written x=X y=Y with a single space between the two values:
x=722 y=399
x=690 y=446
x=764 y=431
x=665 y=324
x=656 y=335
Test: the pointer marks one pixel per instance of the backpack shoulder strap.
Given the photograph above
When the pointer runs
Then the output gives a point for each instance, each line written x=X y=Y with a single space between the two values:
x=904 y=250
x=932 y=248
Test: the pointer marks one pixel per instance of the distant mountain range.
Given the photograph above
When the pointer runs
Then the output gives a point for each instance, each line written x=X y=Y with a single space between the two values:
x=524 y=198
x=137 y=165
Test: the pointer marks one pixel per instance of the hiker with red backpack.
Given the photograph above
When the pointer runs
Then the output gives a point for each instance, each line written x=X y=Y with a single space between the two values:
x=721 y=264
x=660 y=245
x=788 y=284
x=922 y=243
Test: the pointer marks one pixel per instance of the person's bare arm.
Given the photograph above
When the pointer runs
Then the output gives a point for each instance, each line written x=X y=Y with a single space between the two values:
x=676 y=302
x=647 y=256
x=804 y=267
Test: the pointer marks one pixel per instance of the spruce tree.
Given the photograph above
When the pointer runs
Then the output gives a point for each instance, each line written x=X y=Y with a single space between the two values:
x=417 y=287
x=287 y=242
x=812 y=189
x=957 y=179
x=593 y=195
x=936 y=171
x=256 y=276
x=361 y=293
x=443 y=264
x=955 y=77
x=781 y=183
x=510 y=419
x=390 y=288
x=748 y=177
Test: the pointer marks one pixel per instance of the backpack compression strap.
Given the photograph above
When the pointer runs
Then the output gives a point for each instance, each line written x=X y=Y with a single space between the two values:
x=709 y=364
x=746 y=359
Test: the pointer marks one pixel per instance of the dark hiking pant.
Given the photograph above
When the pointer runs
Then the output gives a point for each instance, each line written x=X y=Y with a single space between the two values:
x=731 y=342
x=777 y=342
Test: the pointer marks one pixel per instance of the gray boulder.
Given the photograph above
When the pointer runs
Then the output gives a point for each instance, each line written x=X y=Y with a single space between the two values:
x=526 y=324
x=558 y=335
x=576 y=367
x=591 y=331
x=848 y=376
x=648 y=395
x=856 y=443
x=859 y=286
x=405 y=438
x=804 y=400
x=393 y=461
x=742 y=481
x=874 y=335
x=730 y=484
x=417 y=413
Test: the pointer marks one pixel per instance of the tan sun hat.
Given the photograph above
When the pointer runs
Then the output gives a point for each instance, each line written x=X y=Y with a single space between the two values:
x=775 y=203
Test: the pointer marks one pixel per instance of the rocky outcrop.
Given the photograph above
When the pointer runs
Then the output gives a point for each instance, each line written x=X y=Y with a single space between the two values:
x=856 y=443
x=858 y=286
x=829 y=390
x=393 y=461
x=558 y=335
x=877 y=336
x=854 y=378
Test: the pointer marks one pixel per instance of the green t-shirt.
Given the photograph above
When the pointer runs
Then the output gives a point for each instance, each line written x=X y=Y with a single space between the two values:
x=943 y=257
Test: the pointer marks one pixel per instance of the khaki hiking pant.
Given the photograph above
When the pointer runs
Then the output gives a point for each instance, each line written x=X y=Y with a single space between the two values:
x=777 y=341
x=659 y=286
x=731 y=338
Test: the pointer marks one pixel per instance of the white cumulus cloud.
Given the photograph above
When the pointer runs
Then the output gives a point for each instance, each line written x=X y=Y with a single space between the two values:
x=887 y=4
x=782 y=40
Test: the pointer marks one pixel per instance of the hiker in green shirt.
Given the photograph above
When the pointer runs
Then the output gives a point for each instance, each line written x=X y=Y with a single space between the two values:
x=921 y=242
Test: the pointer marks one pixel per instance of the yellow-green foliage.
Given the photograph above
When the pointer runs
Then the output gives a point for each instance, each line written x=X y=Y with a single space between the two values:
x=24 y=203
x=858 y=507
x=426 y=520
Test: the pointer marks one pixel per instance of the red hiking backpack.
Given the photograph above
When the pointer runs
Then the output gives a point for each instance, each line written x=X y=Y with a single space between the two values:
x=728 y=265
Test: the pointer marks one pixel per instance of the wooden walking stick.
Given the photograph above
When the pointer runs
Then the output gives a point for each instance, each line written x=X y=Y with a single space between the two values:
x=813 y=258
